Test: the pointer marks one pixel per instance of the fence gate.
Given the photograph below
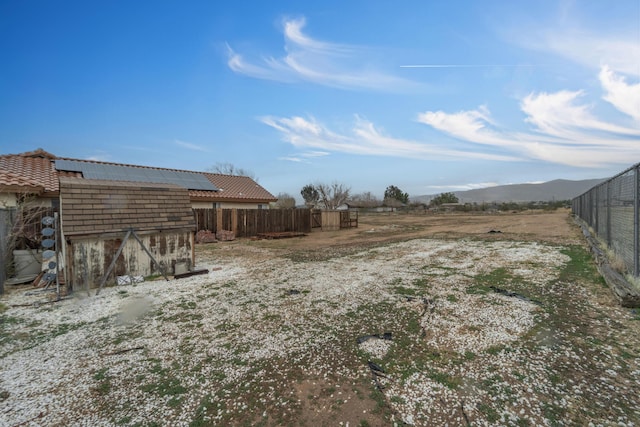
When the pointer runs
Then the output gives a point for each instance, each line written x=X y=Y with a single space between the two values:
x=316 y=219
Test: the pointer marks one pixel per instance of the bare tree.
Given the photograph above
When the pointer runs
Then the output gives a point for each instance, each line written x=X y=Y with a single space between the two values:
x=23 y=226
x=366 y=200
x=333 y=195
x=285 y=201
x=231 y=169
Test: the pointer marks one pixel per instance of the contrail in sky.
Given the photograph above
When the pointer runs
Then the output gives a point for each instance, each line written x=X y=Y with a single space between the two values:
x=466 y=65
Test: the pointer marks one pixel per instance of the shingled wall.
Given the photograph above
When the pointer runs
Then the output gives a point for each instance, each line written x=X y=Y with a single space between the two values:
x=96 y=216
x=93 y=207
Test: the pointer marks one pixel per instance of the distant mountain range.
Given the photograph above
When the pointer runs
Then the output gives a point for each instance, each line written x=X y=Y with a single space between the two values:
x=559 y=189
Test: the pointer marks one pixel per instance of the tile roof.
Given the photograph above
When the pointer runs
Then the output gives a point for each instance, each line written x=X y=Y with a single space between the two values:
x=12 y=182
x=34 y=168
x=232 y=188
x=37 y=168
x=98 y=207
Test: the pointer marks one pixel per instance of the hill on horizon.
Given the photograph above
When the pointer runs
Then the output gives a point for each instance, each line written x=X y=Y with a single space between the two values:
x=558 y=189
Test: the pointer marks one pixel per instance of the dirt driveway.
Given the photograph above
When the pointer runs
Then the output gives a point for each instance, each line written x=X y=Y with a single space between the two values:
x=414 y=320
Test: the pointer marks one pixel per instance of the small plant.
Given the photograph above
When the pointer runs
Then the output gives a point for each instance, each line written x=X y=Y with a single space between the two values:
x=421 y=283
x=489 y=412
x=104 y=381
x=403 y=290
x=167 y=386
x=398 y=399
x=478 y=290
x=445 y=379
x=494 y=349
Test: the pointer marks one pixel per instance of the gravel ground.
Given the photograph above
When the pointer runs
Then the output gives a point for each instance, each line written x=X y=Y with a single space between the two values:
x=480 y=333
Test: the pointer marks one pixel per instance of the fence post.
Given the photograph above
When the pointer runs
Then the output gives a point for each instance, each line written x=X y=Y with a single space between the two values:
x=234 y=220
x=609 y=213
x=636 y=225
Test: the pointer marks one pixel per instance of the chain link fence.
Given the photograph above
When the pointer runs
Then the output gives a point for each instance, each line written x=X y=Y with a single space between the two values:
x=612 y=210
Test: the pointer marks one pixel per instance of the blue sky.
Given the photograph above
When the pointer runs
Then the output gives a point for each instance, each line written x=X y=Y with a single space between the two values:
x=429 y=96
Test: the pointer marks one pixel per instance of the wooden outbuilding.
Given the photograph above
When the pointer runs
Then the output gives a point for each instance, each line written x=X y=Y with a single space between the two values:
x=98 y=215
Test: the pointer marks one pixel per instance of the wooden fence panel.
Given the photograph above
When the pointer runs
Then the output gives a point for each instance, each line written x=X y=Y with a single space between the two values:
x=330 y=220
x=227 y=219
x=251 y=222
x=206 y=219
x=262 y=221
x=349 y=219
x=303 y=220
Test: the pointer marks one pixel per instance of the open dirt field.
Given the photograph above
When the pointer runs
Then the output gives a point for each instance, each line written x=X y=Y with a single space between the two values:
x=407 y=320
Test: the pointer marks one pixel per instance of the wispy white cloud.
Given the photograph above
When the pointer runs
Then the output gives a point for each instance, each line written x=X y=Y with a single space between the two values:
x=365 y=139
x=190 y=146
x=592 y=50
x=623 y=96
x=563 y=130
x=291 y=159
x=559 y=115
x=305 y=156
x=309 y=60
x=604 y=41
x=462 y=187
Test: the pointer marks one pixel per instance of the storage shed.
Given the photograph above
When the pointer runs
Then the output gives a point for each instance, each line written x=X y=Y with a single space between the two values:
x=97 y=215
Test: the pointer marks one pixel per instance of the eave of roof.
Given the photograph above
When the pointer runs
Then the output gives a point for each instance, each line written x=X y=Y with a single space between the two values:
x=13 y=182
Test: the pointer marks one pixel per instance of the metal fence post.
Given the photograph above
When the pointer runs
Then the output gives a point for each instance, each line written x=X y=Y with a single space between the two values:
x=609 y=213
x=636 y=225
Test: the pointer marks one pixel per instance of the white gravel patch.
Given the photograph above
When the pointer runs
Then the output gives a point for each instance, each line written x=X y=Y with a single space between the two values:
x=207 y=333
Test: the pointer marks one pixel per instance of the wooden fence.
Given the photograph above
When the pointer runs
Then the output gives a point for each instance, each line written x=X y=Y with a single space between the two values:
x=335 y=220
x=251 y=222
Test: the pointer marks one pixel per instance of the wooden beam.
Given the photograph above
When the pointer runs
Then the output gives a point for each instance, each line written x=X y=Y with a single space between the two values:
x=113 y=262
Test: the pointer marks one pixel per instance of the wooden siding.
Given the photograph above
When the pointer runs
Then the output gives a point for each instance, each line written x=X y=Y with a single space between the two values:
x=90 y=257
x=251 y=222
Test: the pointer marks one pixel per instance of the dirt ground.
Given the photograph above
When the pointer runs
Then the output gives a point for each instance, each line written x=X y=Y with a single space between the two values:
x=556 y=227
x=493 y=319
x=318 y=396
